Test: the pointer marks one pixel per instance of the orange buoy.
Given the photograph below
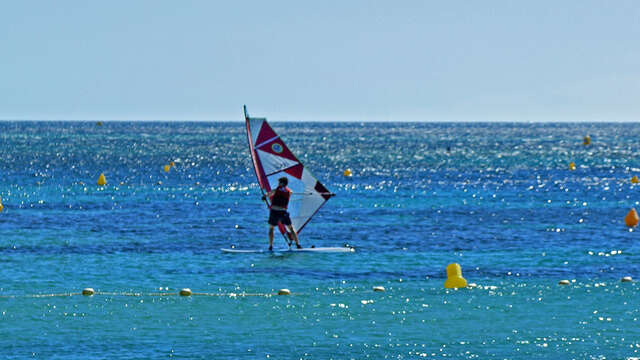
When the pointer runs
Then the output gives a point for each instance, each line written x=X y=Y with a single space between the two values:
x=572 y=166
x=632 y=218
x=586 y=140
x=634 y=179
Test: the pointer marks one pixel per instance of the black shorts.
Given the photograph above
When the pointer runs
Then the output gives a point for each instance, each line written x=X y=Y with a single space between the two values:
x=276 y=216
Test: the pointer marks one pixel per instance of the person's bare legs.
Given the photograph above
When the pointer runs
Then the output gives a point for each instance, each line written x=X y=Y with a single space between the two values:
x=271 y=237
x=294 y=235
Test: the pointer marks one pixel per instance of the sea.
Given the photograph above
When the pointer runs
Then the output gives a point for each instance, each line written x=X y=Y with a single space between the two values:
x=499 y=199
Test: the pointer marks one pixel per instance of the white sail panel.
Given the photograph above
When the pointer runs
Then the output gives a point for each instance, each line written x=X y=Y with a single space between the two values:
x=273 y=163
x=255 y=125
x=313 y=199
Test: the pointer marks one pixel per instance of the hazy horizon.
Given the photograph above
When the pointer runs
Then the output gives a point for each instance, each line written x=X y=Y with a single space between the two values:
x=279 y=121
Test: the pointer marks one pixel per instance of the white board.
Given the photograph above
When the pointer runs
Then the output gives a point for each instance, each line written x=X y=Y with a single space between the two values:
x=281 y=250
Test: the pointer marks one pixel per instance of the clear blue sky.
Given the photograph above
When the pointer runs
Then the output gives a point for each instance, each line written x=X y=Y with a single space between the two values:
x=321 y=60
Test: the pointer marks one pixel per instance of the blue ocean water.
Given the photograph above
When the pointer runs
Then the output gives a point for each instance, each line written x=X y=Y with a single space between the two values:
x=498 y=199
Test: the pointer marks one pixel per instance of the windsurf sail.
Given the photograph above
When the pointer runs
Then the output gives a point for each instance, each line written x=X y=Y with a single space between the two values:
x=272 y=160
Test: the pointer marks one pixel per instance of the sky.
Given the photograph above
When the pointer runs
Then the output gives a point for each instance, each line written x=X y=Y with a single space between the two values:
x=353 y=60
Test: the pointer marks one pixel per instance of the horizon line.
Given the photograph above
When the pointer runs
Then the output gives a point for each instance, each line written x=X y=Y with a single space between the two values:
x=327 y=121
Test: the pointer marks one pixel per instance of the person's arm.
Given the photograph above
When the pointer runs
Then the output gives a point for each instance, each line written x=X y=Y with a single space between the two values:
x=269 y=194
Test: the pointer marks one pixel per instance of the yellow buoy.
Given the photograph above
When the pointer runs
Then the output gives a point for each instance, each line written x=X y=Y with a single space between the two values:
x=627 y=279
x=185 y=292
x=586 y=140
x=102 y=180
x=167 y=168
x=454 y=277
x=348 y=173
x=284 y=292
x=572 y=166
x=564 y=282
x=1 y=206
x=634 y=179
x=379 y=288
x=632 y=218
x=99 y=123
x=88 y=291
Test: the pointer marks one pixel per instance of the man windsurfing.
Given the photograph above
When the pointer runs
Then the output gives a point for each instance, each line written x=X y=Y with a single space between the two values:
x=278 y=214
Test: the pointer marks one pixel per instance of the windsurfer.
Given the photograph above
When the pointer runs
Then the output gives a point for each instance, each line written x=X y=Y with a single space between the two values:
x=278 y=214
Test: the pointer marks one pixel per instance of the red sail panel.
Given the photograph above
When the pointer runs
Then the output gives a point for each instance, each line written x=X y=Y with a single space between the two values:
x=272 y=144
